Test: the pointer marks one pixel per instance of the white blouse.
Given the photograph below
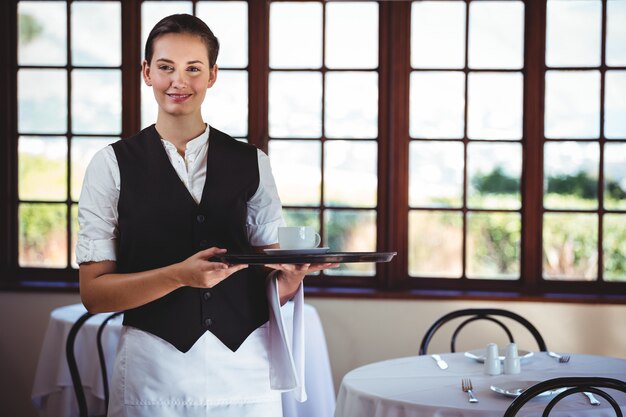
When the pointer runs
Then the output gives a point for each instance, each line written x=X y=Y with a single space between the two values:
x=97 y=239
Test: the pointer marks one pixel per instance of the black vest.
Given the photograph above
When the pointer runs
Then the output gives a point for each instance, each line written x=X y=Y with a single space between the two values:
x=160 y=224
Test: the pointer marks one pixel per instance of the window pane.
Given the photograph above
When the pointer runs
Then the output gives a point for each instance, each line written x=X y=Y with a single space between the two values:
x=571 y=175
x=97 y=101
x=295 y=104
x=570 y=246
x=438 y=34
x=350 y=173
x=42 y=165
x=437 y=104
x=229 y=22
x=42 y=34
x=573 y=33
x=615 y=105
x=153 y=11
x=494 y=175
x=495 y=105
x=83 y=150
x=616 y=33
x=572 y=104
x=226 y=103
x=615 y=176
x=43 y=235
x=42 y=101
x=493 y=245
x=350 y=231
x=295 y=35
x=296 y=166
x=496 y=34
x=96 y=33
x=351 y=105
x=352 y=35
x=614 y=247
x=435 y=174
x=302 y=217
x=435 y=244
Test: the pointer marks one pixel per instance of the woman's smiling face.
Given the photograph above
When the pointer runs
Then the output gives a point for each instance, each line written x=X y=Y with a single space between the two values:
x=179 y=73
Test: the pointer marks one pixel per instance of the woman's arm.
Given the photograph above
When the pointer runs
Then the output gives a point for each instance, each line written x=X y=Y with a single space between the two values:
x=102 y=289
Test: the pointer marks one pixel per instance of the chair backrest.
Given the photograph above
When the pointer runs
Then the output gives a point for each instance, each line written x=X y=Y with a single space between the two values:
x=101 y=358
x=571 y=385
x=480 y=314
x=71 y=362
x=73 y=366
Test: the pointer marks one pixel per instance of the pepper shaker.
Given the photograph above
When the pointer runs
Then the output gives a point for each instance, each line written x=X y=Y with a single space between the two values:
x=512 y=360
x=492 y=360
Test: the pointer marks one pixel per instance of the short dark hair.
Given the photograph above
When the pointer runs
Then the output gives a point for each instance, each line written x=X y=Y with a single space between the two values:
x=184 y=23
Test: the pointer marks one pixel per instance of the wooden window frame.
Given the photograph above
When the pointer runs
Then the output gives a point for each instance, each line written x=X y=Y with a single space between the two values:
x=392 y=279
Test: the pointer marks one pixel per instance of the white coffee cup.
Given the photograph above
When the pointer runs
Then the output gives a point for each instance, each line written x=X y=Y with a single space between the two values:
x=298 y=237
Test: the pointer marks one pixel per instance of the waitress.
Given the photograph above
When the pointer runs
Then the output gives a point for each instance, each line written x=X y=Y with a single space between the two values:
x=200 y=338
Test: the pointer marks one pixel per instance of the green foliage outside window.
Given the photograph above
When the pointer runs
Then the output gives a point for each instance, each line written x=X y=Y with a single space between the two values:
x=29 y=28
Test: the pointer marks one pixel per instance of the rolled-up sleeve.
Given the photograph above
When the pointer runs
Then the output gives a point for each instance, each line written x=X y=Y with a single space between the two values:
x=97 y=209
x=264 y=208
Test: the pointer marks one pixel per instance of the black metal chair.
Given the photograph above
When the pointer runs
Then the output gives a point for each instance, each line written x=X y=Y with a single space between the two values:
x=71 y=363
x=101 y=357
x=571 y=385
x=73 y=366
x=480 y=314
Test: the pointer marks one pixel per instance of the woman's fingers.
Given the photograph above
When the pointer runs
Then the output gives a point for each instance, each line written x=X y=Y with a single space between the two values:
x=210 y=252
x=302 y=267
x=200 y=271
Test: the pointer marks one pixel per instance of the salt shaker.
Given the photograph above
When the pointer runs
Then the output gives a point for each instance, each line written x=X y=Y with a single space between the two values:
x=512 y=360
x=492 y=360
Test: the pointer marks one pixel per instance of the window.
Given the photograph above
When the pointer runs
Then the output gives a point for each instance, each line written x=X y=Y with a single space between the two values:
x=584 y=226
x=323 y=120
x=484 y=141
x=69 y=105
x=465 y=153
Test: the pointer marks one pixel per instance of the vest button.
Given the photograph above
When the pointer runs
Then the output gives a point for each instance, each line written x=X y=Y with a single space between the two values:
x=200 y=218
x=208 y=322
x=207 y=295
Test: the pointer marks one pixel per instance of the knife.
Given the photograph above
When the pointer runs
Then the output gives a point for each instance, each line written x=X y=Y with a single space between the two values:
x=440 y=362
x=592 y=398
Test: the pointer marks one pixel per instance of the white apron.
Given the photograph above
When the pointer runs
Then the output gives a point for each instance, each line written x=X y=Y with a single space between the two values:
x=151 y=378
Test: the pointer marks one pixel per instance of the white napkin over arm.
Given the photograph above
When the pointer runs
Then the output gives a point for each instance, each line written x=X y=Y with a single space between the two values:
x=286 y=357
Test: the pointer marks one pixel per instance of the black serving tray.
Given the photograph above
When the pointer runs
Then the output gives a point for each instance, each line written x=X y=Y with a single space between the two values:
x=317 y=258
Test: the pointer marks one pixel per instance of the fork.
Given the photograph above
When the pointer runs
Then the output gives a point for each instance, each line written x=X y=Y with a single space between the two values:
x=466 y=386
x=561 y=358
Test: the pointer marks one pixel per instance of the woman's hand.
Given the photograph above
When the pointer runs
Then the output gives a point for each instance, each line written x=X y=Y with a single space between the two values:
x=291 y=276
x=197 y=271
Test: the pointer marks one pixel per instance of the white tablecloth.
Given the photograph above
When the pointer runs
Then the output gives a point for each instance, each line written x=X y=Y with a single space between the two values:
x=416 y=387
x=53 y=393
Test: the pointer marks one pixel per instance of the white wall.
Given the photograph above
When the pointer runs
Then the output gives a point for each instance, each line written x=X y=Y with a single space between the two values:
x=357 y=332
x=23 y=321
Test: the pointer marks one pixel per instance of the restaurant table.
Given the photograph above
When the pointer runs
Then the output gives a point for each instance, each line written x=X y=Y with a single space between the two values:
x=53 y=392
x=416 y=387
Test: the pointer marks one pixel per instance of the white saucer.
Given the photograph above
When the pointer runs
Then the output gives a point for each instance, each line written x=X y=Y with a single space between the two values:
x=310 y=251
x=515 y=388
x=479 y=354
